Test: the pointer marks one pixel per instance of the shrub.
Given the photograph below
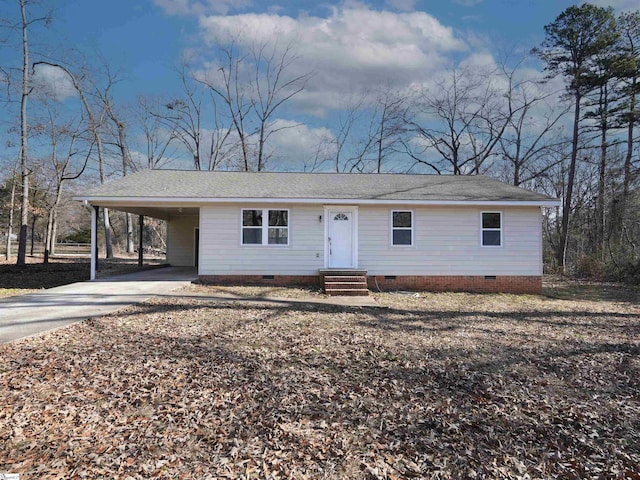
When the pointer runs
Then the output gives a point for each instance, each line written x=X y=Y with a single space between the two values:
x=589 y=267
x=628 y=272
x=79 y=236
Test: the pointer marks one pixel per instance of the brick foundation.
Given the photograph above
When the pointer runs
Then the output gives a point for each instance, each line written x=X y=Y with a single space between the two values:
x=443 y=283
x=459 y=283
x=277 y=280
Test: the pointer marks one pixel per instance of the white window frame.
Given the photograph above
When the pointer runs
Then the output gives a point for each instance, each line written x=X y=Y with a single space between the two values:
x=482 y=229
x=265 y=228
x=392 y=228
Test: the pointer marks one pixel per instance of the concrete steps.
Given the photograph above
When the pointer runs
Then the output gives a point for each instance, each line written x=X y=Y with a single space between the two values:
x=345 y=282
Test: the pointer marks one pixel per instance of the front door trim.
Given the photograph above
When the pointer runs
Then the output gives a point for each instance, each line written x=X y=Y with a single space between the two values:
x=353 y=209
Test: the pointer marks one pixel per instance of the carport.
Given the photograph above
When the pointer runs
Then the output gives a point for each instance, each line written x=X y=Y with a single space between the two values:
x=182 y=226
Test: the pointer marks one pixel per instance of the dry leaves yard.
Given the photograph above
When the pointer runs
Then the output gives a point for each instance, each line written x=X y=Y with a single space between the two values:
x=434 y=386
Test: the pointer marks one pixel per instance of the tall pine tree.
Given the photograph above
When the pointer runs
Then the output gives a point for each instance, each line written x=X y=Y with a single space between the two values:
x=572 y=44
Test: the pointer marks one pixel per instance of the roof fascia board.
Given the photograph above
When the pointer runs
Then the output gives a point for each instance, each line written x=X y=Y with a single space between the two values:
x=165 y=201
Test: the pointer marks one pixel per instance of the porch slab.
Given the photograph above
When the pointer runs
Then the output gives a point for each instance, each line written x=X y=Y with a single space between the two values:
x=342 y=271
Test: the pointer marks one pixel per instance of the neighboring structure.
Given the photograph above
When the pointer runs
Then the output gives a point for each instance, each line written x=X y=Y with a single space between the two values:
x=435 y=232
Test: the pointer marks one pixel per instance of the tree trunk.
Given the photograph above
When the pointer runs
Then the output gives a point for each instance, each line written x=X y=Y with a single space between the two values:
x=47 y=237
x=129 y=221
x=126 y=161
x=601 y=221
x=566 y=207
x=54 y=234
x=380 y=139
x=626 y=181
x=34 y=219
x=601 y=225
x=261 y=146
x=107 y=233
x=24 y=213
x=10 y=225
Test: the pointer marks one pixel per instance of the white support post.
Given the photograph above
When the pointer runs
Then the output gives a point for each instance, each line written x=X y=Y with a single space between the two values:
x=94 y=242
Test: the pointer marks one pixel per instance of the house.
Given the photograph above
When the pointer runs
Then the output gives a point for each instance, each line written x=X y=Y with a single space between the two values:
x=394 y=231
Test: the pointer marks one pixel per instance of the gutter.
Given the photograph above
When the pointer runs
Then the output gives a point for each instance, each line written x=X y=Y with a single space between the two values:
x=195 y=201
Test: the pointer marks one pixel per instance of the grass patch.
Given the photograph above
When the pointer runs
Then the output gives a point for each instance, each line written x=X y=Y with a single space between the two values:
x=9 y=292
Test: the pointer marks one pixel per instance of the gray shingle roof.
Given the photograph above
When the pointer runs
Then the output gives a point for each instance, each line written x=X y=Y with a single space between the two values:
x=189 y=184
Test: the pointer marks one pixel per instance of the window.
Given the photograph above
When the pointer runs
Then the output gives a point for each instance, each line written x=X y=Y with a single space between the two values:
x=278 y=227
x=402 y=228
x=491 y=229
x=257 y=231
x=252 y=227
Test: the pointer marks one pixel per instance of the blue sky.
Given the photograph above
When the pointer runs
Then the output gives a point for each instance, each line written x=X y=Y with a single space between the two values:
x=351 y=46
x=145 y=39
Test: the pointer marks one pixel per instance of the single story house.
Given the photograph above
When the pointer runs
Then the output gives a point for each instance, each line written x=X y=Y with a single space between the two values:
x=392 y=231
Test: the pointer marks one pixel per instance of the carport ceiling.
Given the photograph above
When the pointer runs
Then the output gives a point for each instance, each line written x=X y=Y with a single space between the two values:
x=163 y=213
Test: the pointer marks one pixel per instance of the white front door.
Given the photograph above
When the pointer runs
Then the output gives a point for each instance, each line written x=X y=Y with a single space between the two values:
x=341 y=238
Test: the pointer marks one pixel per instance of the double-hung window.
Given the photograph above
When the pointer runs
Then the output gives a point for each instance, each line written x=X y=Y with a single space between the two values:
x=402 y=228
x=491 y=229
x=265 y=226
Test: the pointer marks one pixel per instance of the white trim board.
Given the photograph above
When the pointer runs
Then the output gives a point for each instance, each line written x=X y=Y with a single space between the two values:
x=196 y=202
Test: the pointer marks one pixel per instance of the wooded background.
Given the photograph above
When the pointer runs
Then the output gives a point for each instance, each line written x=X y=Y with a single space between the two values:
x=566 y=128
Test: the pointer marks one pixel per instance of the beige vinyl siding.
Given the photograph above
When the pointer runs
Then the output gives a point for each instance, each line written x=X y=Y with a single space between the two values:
x=181 y=240
x=447 y=242
x=221 y=251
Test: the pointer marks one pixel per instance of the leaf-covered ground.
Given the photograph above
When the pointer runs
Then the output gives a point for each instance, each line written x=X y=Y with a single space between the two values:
x=427 y=386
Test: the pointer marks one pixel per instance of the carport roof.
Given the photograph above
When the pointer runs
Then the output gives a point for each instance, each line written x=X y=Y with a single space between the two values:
x=189 y=186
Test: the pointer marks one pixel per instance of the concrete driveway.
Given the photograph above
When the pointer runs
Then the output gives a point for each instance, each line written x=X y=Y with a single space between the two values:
x=25 y=315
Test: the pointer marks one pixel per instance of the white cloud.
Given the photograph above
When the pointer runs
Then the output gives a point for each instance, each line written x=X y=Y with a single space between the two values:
x=202 y=7
x=353 y=49
x=294 y=145
x=53 y=82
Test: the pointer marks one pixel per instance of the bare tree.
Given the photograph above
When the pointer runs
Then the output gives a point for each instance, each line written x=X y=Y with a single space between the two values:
x=158 y=138
x=24 y=168
x=119 y=136
x=252 y=86
x=344 y=150
x=273 y=87
x=228 y=85
x=26 y=89
x=531 y=139
x=462 y=119
x=387 y=126
x=60 y=169
x=95 y=124
x=183 y=116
